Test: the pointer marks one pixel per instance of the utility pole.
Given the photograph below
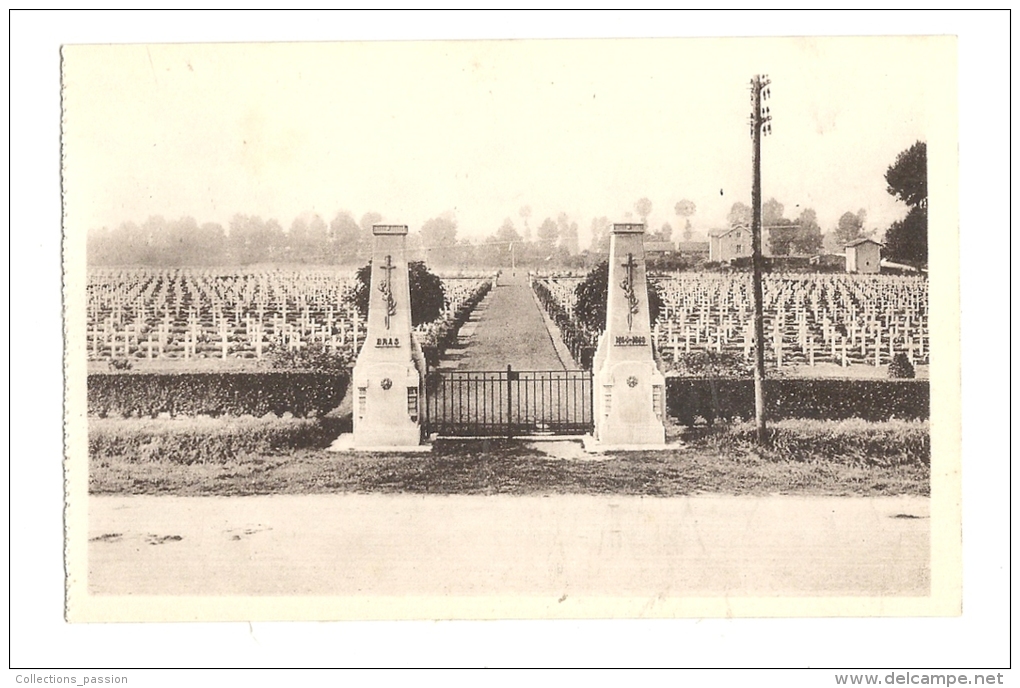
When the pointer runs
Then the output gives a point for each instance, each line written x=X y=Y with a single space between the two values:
x=761 y=123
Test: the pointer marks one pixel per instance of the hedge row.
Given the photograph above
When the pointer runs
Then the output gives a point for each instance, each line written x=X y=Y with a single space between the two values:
x=812 y=398
x=579 y=341
x=300 y=393
x=204 y=440
x=445 y=333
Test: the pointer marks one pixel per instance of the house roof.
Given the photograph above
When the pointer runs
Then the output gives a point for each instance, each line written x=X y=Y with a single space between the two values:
x=724 y=232
x=863 y=240
x=693 y=246
x=659 y=246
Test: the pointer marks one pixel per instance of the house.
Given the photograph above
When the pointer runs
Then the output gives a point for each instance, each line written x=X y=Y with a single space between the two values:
x=693 y=250
x=659 y=249
x=726 y=244
x=864 y=256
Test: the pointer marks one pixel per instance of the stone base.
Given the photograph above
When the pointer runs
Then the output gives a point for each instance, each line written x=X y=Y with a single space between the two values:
x=593 y=446
x=345 y=443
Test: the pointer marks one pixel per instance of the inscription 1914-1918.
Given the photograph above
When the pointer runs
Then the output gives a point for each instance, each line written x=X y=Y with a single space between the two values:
x=630 y=340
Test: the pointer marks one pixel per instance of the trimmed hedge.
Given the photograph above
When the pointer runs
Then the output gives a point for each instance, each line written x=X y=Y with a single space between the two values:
x=813 y=398
x=301 y=393
x=579 y=341
x=205 y=440
x=445 y=333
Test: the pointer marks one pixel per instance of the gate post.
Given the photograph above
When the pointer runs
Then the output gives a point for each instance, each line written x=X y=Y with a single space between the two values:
x=389 y=374
x=628 y=389
x=509 y=403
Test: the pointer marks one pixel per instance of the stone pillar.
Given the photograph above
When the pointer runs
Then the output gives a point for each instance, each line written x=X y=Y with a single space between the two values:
x=389 y=373
x=630 y=392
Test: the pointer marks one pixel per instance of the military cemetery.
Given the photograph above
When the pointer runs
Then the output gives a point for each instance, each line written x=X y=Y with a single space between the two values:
x=412 y=397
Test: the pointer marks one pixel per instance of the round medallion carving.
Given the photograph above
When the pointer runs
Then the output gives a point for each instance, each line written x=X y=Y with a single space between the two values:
x=632 y=381
x=386 y=383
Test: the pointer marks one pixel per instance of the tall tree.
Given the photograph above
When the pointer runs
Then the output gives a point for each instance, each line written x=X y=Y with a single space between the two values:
x=506 y=240
x=548 y=232
x=740 y=214
x=907 y=178
x=685 y=209
x=809 y=234
x=906 y=240
x=848 y=227
x=777 y=230
x=643 y=207
x=772 y=213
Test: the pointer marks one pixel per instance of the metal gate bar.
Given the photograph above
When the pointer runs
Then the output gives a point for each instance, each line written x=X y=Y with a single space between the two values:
x=509 y=403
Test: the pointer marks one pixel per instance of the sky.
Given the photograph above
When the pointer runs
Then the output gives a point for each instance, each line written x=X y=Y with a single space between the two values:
x=479 y=129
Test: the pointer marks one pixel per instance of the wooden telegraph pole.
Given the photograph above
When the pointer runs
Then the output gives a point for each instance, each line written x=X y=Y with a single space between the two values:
x=761 y=123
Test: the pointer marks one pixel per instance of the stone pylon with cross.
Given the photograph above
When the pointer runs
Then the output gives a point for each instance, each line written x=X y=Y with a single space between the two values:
x=389 y=374
x=630 y=391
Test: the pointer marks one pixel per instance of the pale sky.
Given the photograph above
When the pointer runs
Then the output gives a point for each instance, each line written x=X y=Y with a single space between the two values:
x=415 y=129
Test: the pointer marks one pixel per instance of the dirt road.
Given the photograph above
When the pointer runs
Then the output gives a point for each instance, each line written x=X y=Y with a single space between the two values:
x=498 y=545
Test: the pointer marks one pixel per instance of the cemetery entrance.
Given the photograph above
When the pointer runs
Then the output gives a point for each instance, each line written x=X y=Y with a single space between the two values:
x=509 y=403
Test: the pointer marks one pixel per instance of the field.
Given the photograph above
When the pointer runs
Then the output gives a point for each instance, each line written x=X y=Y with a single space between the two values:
x=207 y=322
x=851 y=325
x=188 y=318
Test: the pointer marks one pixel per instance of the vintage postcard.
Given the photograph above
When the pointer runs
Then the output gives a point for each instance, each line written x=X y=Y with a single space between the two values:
x=512 y=329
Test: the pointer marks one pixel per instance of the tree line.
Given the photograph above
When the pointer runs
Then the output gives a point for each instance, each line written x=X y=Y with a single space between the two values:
x=249 y=239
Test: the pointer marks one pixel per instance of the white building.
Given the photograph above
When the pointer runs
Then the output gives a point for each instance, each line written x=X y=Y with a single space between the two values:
x=864 y=256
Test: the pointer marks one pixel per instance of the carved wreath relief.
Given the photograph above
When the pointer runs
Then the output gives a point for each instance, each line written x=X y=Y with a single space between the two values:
x=628 y=290
x=386 y=288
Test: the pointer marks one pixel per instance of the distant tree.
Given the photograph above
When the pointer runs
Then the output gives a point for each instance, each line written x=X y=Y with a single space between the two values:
x=525 y=213
x=600 y=227
x=439 y=232
x=306 y=239
x=366 y=222
x=505 y=240
x=685 y=209
x=548 y=232
x=567 y=231
x=777 y=230
x=740 y=214
x=643 y=207
x=808 y=239
x=848 y=227
x=346 y=245
x=907 y=239
x=665 y=234
x=592 y=293
x=253 y=240
x=427 y=296
x=507 y=233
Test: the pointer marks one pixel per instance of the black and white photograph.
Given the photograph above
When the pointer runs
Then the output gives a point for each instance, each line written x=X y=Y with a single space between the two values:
x=639 y=347
x=529 y=328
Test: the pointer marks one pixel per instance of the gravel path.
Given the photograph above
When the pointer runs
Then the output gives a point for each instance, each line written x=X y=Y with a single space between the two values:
x=510 y=330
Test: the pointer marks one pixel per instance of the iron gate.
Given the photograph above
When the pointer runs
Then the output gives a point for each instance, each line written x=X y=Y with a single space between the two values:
x=509 y=403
